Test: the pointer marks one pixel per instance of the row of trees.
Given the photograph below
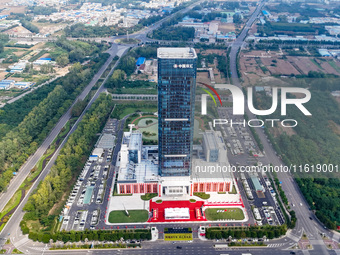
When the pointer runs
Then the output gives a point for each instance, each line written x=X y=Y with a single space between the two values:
x=80 y=30
x=18 y=144
x=244 y=232
x=174 y=33
x=323 y=195
x=74 y=51
x=315 y=141
x=27 y=122
x=4 y=38
x=29 y=26
x=119 y=109
x=89 y=235
x=272 y=28
x=128 y=62
x=42 y=10
x=67 y=166
x=12 y=114
x=118 y=80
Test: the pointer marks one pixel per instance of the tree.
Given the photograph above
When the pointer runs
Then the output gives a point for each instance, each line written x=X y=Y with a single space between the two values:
x=62 y=60
x=117 y=78
x=283 y=18
x=237 y=18
x=127 y=64
x=77 y=55
x=47 y=68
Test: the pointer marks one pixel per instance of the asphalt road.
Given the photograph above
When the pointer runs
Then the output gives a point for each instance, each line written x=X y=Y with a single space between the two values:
x=32 y=160
x=290 y=187
x=293 y=193
x=13 y=223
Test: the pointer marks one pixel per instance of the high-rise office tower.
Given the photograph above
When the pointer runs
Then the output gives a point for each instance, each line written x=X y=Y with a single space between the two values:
x=176 y=103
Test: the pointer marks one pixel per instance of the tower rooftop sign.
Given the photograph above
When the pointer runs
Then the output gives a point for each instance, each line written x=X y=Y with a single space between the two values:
x=176 y=53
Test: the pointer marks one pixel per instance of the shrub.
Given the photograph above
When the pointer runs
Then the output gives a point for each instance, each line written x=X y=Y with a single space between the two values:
x=202 y=195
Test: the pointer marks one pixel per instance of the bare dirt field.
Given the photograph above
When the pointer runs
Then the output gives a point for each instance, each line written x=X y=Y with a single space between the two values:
x=203 y=77
x=304 y=64
x=8 y=9
x=18 y=31
x=327 y=67
x=38 y=46
x=254 y=63
x=214 y=51
x=46 y=55
x=279 y=66
x=226 y=27
x=2 y=75
x=62 y=71
x=250 y=71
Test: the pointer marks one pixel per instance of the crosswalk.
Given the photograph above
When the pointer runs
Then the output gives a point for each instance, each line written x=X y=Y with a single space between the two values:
x=274 y=245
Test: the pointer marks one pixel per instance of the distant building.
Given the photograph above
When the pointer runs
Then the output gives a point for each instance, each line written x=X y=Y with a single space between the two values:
x=23 y=85
x=137 y=173
x=210 y=146
x=6 y=84
x=140 y=61
x=257 y=184
x=18 y=67
x=324 y=52
x=42 y=61
x=135 y=147
x=141 y=68
x=265 y=13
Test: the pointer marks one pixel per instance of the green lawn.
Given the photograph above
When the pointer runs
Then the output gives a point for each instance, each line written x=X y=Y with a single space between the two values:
x=143 y=91
x=130 y=110
x=135 y=216
x=233 y=190
x=13 y=202
x=232 y=213
x=148 y=196
x=39 y=165
x=151 y=120
x=151 y=130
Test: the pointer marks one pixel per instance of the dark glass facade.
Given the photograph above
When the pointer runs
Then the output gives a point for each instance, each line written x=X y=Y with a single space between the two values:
x=176 y=103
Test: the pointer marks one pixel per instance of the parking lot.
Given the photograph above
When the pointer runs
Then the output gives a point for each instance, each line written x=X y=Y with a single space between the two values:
x=86 y=203
x=265 y=207
x=243 y=150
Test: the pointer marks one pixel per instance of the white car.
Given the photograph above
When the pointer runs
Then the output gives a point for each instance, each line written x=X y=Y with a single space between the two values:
x=301 y=204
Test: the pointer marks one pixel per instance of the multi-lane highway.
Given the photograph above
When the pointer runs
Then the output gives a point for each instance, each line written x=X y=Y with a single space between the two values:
x=13 y=223
x=32 y=161
x=304 y=224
